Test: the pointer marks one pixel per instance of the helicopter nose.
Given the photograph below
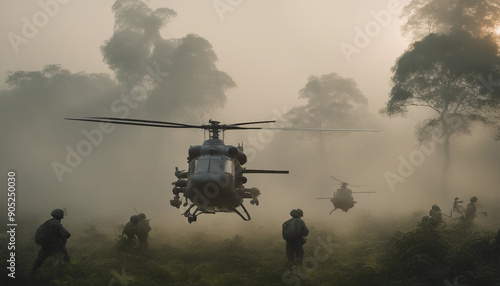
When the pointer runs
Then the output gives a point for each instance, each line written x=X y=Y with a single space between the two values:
x=209 y=185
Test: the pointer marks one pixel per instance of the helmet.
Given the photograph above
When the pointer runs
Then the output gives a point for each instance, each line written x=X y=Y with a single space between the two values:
x=300 y=212
x=297 y=213
x=57 y=213
x=435 y=206
x=134 y=218
x=141 y=216
x=473 y=199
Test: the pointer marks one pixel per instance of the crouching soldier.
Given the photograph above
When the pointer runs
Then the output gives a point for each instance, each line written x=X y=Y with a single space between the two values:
x=436 y=215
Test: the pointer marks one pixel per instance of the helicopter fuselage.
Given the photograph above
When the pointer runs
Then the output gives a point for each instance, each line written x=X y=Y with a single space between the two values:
x=214 y=180
x=342 y=199
x=211 y=182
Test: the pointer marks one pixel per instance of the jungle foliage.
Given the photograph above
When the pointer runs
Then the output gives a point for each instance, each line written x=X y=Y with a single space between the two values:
x=372 y=254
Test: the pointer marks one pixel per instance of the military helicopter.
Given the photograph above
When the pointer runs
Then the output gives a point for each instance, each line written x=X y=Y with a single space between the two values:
x=342 y=198
x=214 y=181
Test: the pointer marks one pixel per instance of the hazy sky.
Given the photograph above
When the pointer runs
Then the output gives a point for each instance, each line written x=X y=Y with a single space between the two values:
x=269 y=48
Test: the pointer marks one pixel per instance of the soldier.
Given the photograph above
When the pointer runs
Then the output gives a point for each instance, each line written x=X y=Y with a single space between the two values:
x=470 y=211
x=143 y=230
x=130 y=230
x=52 y=237
x=294 y=231
x=436 y=215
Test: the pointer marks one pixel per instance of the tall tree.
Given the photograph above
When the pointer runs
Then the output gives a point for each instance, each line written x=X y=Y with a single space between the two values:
x=447 y=73
x=190 y=81
x=478 y=17
x=136 y=33
x=332 y=102
x=450 y=69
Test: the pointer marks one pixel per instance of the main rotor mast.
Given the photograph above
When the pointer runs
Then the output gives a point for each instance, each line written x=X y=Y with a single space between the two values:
x=214 y=129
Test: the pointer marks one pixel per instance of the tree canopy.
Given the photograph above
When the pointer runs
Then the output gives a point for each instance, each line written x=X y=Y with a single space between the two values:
x=190 y=79
x=444 y=73
x=478 y=17
x=332 y=102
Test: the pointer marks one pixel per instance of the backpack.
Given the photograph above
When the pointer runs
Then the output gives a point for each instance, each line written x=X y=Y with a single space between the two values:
x=291 y=229
x=129 y=229
x=42 y=235
x=143 y=227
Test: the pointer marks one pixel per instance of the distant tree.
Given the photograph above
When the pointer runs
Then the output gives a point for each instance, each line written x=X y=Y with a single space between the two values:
x=448 y=74
x=478 y=17
x=332 y=102
x=194 y=84
x=136 y=32
x=33 y=91
x=183 y=70
x=32 y=112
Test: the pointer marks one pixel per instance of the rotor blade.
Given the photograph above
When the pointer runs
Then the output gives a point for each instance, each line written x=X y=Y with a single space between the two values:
x=324 y=198
x=337 y=179
x=318 y=129
x=147 y=121
x=233 y=127
x=250 y=171
x=129 y=123
x=363 y=192
x=359 y=186
x=326 y=185
x=225 y=127
x=254 y=122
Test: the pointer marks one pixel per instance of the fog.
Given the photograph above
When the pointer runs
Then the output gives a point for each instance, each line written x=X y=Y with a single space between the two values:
x=255 y=59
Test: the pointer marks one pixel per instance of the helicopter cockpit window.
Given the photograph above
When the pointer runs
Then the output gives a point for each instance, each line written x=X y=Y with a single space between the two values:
x=202 y=165
x=217 y=164
x=213 y=164
x=229 y=167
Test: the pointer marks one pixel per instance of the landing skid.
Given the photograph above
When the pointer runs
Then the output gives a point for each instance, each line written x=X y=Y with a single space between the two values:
x=246 y=213
x=192 y=217
x=332 y=211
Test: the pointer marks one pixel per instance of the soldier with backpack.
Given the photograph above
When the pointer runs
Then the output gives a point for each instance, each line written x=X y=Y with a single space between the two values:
x=130 y=230
x=143 y=230
x=436 y=215
x=52 y=236
x=294 y=231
